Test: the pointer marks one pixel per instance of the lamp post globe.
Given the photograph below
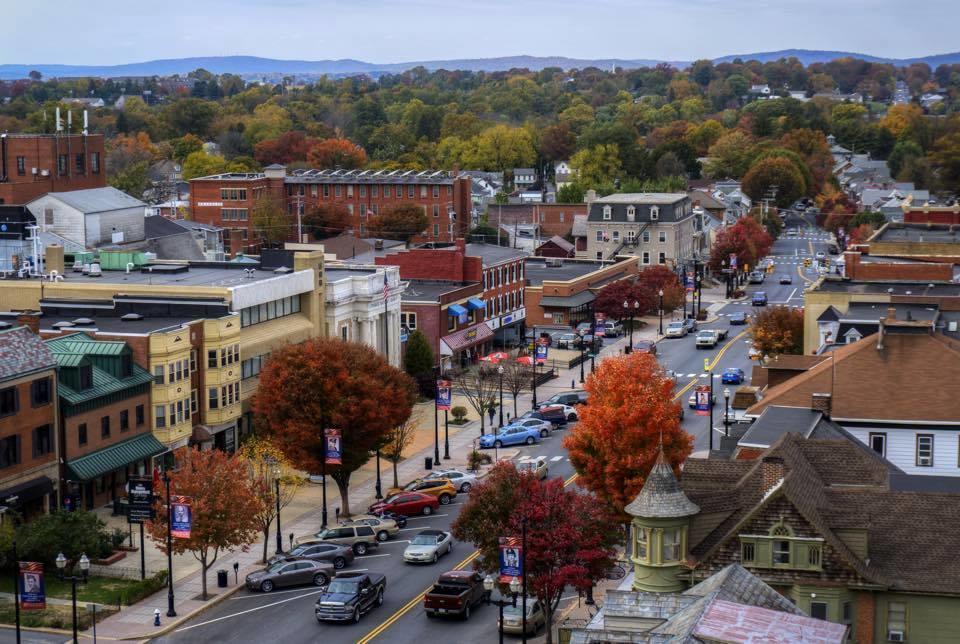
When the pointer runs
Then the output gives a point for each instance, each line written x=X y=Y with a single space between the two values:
x=61 y=562
x=515 y=585
x=84 y=563
x=488 y=583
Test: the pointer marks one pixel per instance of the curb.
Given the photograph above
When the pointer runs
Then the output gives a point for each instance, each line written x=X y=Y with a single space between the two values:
x=180 y=619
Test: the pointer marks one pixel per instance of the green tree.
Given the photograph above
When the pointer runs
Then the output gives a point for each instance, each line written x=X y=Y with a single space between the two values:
x=570 y=193
x=731 y=155
x=132 y=180
x=501 y=148
x=777 y=172
x=185 y=146
x=402 y=222
x=189 y=116
x=271 y=224
x=903 y=151
x=597 y=165
x=72 y=533
x=202 y=164
x=419 y=361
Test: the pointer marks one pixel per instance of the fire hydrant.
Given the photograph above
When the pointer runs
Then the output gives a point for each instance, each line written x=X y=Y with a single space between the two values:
x=156 y=617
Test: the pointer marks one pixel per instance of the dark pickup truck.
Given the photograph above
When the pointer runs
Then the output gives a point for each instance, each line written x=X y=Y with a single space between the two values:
x=455 y=594
x=349 y=596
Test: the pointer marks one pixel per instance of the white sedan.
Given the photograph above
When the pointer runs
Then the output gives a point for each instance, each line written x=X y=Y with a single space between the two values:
x=428 y=546
x=545 y=426
x=461 y=480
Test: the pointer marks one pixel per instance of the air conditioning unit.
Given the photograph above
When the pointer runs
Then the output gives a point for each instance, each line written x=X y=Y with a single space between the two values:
x=895 y=636
x=924 y=461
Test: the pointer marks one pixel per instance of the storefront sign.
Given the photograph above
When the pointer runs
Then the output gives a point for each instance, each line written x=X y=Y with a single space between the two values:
x=444 y=394
x=404 y=334
x=471 y=334
x=33 y=594
x=182 y=517
x=211 y=204
x=140 y=499
x=333 y=448
x=511 y=559
x=733 y=261
x=516 y=316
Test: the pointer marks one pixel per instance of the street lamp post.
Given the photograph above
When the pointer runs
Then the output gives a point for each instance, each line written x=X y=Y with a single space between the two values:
x=488 y=586
x=170 y=610
x=73 y=579
x=726 y=411
x=500 y=373
x=276 y=483
x=661 y=311
x=583 y=355
x=632 y=308
x=378 y=489
x=710 y=374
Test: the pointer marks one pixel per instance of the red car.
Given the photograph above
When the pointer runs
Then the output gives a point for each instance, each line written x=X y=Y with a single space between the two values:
x=407 y=504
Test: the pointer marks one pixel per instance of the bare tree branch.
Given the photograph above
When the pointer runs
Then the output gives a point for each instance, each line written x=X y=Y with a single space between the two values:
x=480 y=387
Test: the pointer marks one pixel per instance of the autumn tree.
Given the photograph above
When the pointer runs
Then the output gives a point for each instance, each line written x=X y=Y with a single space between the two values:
x=225 y=503
x=657 y=278
x=731 y=155
x=776 y=330
x=775 y=176
x=480 y=387
x=286 y=148
x=128 y=158
x=398 y=440
x=337 y=153
x=747 y=239
x=597 y=165
x=569 y=541
x=501 y=148
x=265 y=465
x=611 y=297
x=328 y=219
x=402 y=222
x=631 y=412
x=557 y=142
x=419 y=361
x=202 y=164
x=328 y=383
x=270 y=223
x=185 y=145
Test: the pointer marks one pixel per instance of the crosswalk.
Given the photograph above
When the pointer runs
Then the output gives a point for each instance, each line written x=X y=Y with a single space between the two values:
x=789 y=306
x=552 y=459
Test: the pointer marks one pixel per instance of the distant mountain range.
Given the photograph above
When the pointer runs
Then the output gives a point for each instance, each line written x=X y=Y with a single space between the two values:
x=253 y=66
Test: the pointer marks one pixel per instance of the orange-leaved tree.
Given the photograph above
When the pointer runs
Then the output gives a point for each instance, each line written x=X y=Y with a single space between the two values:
x=328 y=383
x=778 y=329
x=224 y=502
x=333 y=153
x=616 y=442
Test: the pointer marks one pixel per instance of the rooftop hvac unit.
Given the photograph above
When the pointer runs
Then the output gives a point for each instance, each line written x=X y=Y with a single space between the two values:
x=554 y=262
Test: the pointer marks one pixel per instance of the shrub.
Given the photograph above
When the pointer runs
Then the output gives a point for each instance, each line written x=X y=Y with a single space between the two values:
x=117 y=537
x=72 y=533
x=476 y=459
x=141 y=589
x=459 y=413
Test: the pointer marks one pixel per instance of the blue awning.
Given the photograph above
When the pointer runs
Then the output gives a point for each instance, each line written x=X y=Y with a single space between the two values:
x=475 y=303
x=456 y=309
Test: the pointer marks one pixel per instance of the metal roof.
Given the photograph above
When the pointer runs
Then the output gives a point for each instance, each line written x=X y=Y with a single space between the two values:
x=116 y=456
x=96 y=199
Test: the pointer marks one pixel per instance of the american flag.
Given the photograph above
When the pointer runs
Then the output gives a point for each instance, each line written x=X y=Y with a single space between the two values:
x=386 y=285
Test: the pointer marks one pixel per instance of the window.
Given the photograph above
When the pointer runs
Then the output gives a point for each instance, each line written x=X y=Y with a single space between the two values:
x=781 y=552
x=363 y=210
x=436 y=210
x=646 y=257
x=616 y=236
x=212 y=357
x=813 y=556
x=878 y=443
x=345 y=333
x=95 y=162
x=599 y=255
x=408 y=320
x=193 y=360
x=606 y=213
x=642 y=543
x=336 y=190
x=363 y=191
x=193 y=401
x=662 y=258
x=124 y=420
x=139 y=412
x=350 y=190
x=436 y=230
x=160 y=416
x=105 y=427
x=9 y=451
x=631 y=213
x=423 y=192
x=924 y=450
x=42 y=440
x=670 y=548
x=558 y=318
x=79 y=161
x=386 y=192
x=62 y=164
x=436 y=192
x=600 y=235
x=818 y=610
x=214 y=398
x=662 y=236
x=374 y=190
x=646 y=236
x=21 y=166
x=409 y=191
x=654 y=213
x=9 y=401
x=40 y=392
x=82 y=433
x=326 y=190
x=233 y=214
x=896 y=621
x=264 y=312
x=748 y=552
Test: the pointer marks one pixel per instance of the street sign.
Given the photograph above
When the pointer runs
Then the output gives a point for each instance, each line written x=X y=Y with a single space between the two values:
x=140 y=498
x=706 y=364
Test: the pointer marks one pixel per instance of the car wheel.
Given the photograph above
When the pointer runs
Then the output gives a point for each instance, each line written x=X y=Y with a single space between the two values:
x=267 y=586
x=427 y=510
x=529 y=440
x=382 y=536
x=320 y=579
x=380 y=597
x=466 y=612
x=356 y=615
x=339 y=563
x=544 y=433
x=572 y=418
x=435 y=557
x=360 y=549
x=444 y=499
x=497 y=444
x=465 y=488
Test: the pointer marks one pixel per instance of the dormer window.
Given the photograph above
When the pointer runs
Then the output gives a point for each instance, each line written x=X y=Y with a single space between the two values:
x=654 y=213
x=607 y=211
x=631 y=213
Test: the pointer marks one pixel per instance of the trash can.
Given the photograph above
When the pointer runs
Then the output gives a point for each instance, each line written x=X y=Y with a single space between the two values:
x=221 y=578
x=428 y=463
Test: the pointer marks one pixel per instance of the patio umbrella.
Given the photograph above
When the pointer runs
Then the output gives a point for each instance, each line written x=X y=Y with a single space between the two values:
x=496 y=356
x=525 y=359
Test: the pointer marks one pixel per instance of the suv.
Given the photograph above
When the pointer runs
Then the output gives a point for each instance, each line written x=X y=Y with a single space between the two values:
x=570 y=398
x=612 y=329
x=360 y=537
x=443 y=489
x=385 y=528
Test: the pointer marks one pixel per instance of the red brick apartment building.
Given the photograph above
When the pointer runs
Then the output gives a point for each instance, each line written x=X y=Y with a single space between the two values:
x=32 y=165
x=227 y=200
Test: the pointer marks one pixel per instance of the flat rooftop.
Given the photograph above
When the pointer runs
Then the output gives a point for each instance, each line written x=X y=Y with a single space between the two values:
x=643 y=197
x=537 y=272
x=939 y=289
x=918 y=233
x=214 y=274
x=491 y=254
x=334 y=274
x=429 y=290
x=388 y=177
x=113 y=324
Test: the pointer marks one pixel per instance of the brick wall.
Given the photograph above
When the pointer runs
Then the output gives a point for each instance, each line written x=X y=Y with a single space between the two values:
x=42 y=152
x=435 y=264
x=24 y=421
x=428 y=323
x=933 y=215
x=865 y=609
x=554 y=218
x=92 y=418
x=920 y=271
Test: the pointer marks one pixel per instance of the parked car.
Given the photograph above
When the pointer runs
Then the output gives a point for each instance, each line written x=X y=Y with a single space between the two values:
x=399 y=518
x=540 y=424
x=821 y=255
x=786 y=279
x=350 y=596
x=738 y=318
x=359 y=537
x=407 y=504
x=570 y=398
x=645 y=346
x=298 y=572
x=676 y=330
x=385 y=528
x=707 y=339
x=511 y=435
x=455 y=594
x=732 y=376
x=584 y=327
x=556 y=415
x=513 y=617
x=756 y=277
x=691 y=325
x=339 y=556
x=538 y=467
x=567 y=340
x=759 y=299
x=461 y=480
x=442 y=489
x=612 y=329
x=428 y=546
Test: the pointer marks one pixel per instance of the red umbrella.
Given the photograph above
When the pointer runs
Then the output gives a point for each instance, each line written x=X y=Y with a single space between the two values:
x=525 y=360
x=496 y=356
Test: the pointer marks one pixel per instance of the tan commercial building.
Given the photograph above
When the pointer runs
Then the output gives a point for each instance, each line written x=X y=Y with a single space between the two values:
x=561 y=291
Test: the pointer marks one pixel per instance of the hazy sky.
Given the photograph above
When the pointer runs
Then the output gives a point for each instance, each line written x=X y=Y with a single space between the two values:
x=118 y=31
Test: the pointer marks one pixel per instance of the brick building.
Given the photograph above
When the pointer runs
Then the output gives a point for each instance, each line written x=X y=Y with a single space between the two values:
x=227 y=200
x=552 y=218
x=561 y=292
x=442 y=312
x=32 y=165
x=29 y=450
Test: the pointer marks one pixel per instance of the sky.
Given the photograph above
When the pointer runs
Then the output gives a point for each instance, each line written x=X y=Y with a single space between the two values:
x=106 y=32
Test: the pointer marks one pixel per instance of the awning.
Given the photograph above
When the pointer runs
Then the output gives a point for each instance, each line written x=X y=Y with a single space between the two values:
x=26 y=491
x=467 y=338
x=474 y=304
x=456 y=309
x=114 y=457
x=568 y=301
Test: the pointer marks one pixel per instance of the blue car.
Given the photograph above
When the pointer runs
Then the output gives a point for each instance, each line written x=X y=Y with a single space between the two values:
x=511 y=435
x=732 y=376
x=759 y=299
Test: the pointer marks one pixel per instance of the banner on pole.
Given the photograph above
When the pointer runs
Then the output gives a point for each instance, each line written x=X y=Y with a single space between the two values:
x=733 y=261
x=702 y=400
x=600 y=325
x=444 y=394
x=541 y=352
x=333 y=450
x=511 y=559
x=33 y=594
x=182 y=515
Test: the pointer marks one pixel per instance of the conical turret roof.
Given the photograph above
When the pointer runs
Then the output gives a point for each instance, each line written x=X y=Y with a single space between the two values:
x=661 y=496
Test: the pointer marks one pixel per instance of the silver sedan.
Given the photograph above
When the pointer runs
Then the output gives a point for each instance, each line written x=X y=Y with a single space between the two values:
x=428 y=546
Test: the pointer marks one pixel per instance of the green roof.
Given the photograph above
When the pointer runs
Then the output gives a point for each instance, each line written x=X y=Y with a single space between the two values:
x=71 y=351
x=69 y=359
x=116 y=456
x=85 y=345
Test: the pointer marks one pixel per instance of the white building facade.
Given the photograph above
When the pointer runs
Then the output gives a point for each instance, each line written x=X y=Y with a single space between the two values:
x=358 y=309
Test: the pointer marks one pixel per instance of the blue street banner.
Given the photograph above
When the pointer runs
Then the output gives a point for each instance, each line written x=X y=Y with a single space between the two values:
x=600 y=325
x=511 y=559
x=702 y=400
x=444 y=394
x=733 y=261
x=333 y=449
x=541 y=352
x=182 y=517
x=33 y=594
x=689 y=282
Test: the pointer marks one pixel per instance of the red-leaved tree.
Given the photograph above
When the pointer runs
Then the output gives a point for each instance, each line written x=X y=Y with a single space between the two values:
x=611 y=297
x=328 y=383
x=225 y=502
x=657 y=278
x=333 y=153
x=569 y=537
x=746 y=238
x=616 y=442
x=286 y=148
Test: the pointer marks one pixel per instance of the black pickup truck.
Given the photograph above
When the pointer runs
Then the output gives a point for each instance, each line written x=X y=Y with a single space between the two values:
x=455 y=594
x=349 y=596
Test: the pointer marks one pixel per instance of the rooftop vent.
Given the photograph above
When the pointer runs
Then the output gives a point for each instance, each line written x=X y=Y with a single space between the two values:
x=83 y=322
x=131 y=317
x=282 y=270
x=62 y=325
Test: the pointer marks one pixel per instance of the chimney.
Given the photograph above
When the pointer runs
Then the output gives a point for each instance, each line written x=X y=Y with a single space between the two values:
x=771 y=472
x=30 y=319
x=822 y=403
x=461 y=245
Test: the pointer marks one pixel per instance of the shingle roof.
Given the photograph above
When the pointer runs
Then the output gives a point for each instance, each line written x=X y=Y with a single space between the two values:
x=559 y=242
x=23 y=352
x=661 y=496
x=97 y=199
x=776 y=421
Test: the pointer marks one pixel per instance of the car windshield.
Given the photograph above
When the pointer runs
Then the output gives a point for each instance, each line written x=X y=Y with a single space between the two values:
x=299 y=550
x=392 y=499
x=277 y=567
x=424 y=540
x=326 y=534
x=410 y=486
x=518 y=609
x=342 y=587
x=676 y=325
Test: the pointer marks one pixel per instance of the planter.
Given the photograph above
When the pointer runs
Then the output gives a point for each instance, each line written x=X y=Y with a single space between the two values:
x=129 y=548
x=112 y=559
